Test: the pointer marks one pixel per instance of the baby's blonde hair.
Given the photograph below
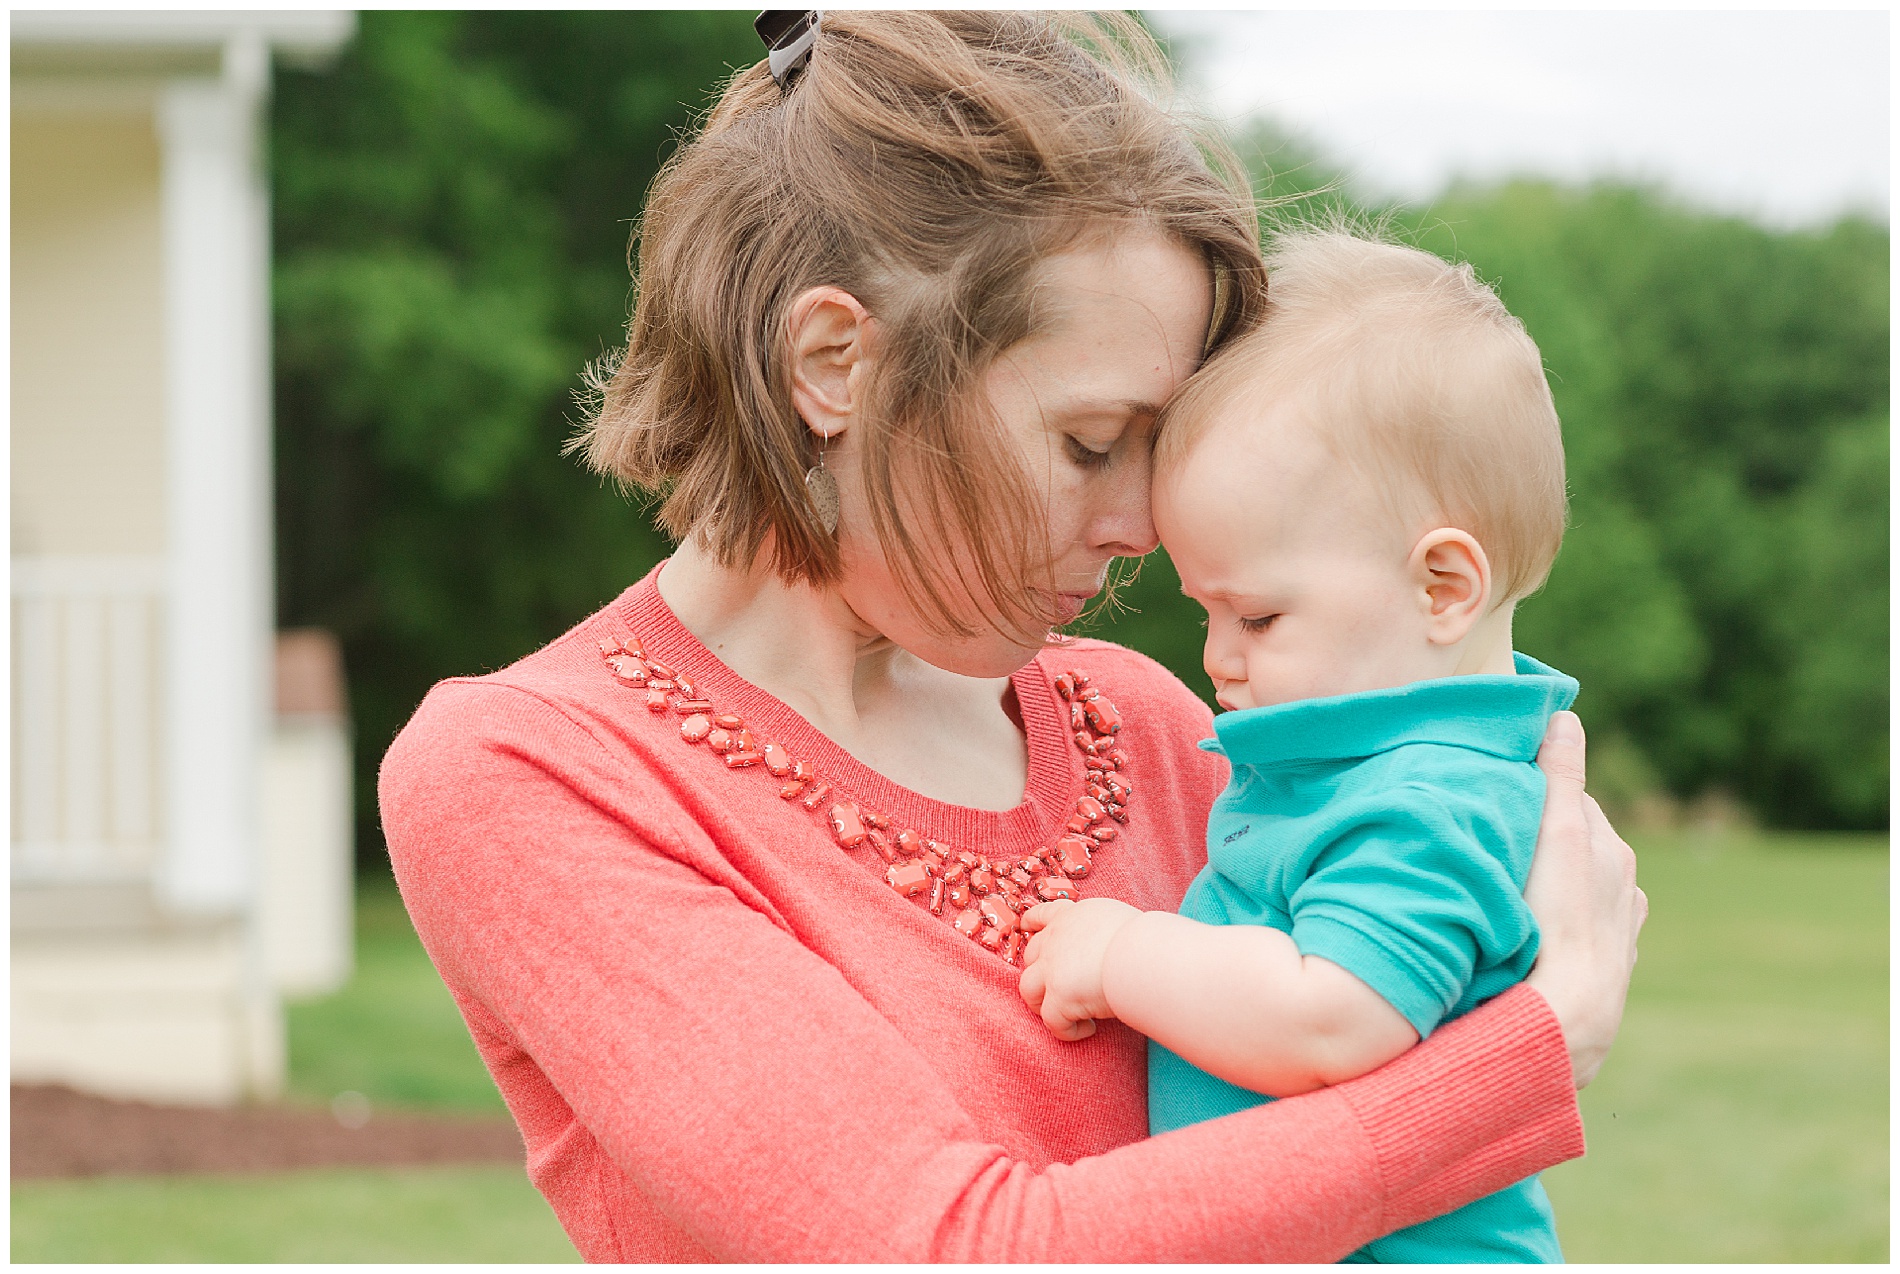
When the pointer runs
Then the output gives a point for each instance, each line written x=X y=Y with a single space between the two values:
x=1412 y=371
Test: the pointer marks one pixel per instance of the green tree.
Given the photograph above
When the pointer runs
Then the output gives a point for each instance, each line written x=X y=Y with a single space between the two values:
x=452 y=204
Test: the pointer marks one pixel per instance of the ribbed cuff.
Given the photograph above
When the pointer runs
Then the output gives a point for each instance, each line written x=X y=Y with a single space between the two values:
x=1487 y=1101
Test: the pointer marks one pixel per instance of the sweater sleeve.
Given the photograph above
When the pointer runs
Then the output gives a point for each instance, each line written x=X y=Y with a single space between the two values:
x=743 y=1085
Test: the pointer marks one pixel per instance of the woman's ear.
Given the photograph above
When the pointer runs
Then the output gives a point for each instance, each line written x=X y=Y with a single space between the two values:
x=1450 y=568
x=829 y=336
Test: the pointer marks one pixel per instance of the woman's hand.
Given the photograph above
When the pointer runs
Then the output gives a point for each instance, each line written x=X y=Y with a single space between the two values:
x=1062 y=965
x=1583 y=892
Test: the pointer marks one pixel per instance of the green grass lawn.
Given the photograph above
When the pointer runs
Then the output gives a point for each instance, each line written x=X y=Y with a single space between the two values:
x=1743 y=1116
x=485 y=1213
x=393 y=1034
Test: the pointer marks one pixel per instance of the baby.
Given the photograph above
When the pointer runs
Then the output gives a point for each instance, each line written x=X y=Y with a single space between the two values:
x=1357 y=492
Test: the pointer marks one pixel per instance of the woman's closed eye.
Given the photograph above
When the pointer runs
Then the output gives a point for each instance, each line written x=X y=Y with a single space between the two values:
x=1085 y=456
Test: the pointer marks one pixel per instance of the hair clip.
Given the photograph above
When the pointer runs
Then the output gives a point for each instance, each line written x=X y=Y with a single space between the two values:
x=788 y=36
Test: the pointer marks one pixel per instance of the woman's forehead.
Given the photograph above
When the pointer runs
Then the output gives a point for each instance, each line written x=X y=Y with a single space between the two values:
x=1120 y=325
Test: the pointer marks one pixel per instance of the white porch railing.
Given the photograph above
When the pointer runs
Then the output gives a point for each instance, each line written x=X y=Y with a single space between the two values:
x=88 y=658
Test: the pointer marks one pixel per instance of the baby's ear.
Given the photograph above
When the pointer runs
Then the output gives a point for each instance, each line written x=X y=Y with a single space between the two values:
x=1451 y=569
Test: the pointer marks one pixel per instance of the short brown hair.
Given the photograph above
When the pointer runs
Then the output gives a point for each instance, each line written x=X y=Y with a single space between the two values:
x=926 y=163
x=1410 y=369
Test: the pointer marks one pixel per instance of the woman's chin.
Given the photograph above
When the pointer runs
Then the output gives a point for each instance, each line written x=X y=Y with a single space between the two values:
x=986 y=657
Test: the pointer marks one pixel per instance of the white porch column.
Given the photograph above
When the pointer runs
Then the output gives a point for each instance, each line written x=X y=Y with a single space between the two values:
x=219 y=612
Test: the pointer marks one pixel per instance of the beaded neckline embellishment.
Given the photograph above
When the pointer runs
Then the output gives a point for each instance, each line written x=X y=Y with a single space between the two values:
x=982 y=897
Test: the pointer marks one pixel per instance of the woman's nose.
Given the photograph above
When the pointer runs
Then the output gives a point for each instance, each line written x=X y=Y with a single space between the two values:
x=1124 y=522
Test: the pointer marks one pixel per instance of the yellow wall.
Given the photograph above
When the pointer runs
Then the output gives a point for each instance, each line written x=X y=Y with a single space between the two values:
x=88 y=336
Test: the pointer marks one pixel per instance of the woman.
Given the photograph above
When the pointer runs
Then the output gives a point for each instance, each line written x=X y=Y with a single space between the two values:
x=726 y=880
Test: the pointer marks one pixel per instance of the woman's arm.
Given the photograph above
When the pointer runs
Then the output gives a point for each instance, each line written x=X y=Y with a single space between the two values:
x=1583 y=892
x=743 y=1085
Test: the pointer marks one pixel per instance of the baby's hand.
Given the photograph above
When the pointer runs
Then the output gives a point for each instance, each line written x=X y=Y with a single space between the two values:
x=1062 y=966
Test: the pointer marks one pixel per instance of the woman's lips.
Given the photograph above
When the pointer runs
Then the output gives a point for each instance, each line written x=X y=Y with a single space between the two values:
x=1070 y=605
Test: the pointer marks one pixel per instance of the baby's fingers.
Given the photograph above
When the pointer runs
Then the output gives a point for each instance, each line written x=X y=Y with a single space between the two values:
x=1041 y=914
x=1073 y=1031
x=1034 y=985
x=1061 y=1025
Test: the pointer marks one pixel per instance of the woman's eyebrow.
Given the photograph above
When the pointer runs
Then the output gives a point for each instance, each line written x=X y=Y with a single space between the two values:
x=1129 y=407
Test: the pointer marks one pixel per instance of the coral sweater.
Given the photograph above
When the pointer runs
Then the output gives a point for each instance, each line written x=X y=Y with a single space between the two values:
x=726 y=1038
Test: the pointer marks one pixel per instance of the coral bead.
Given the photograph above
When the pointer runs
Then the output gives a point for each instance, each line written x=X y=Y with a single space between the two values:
x=909 y=843
x=998 y=913
x=1072 y=856
x=992 y=938
x=1065 y=685
x=659 y=669
x=740 y=760
x=1055 y=888
x=959 y=895
x=816 y=797
x=777 y=760
x=982 y=880
x=936 y=897
x=656 y=701
x=1103 y=717
x=847 y=824
x=688 y=707
x=726 y=721
x=1089 y=809
x=629 y=669
x=695 y=728
x=908 y=878
x=968 y=921
x=804 y=772
x=719 y=739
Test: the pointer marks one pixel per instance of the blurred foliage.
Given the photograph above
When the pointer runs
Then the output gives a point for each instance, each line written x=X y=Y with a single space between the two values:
x=1722 y=592
x=452 y=205
x=453 y=202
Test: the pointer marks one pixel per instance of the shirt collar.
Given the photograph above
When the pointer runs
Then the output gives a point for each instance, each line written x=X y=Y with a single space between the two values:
x=1505 y=716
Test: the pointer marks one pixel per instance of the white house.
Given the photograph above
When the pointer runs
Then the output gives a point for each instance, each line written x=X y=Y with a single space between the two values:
x=180 y=806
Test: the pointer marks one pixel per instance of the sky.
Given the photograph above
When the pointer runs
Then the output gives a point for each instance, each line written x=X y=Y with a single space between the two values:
x=1781 y=116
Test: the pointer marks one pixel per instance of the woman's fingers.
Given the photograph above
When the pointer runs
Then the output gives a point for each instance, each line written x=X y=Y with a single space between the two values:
x=1562 y=755
x=1582 y=889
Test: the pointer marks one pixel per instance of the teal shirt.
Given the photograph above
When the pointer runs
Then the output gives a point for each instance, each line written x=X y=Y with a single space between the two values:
x=1390 y=832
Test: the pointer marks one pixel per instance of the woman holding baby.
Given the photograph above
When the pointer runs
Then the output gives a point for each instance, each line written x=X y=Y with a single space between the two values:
x=730 y=881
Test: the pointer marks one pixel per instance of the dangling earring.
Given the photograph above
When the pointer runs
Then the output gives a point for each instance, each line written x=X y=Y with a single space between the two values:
x=823 y=490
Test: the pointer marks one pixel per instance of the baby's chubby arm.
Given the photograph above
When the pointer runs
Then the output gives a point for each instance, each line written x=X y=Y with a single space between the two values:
x=1238 y=1001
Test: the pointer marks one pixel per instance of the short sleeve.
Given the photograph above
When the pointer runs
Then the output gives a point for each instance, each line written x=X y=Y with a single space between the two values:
x=1415 y=892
